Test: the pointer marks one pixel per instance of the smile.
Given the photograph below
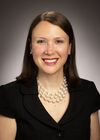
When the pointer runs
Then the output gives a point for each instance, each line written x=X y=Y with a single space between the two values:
x=50 y=61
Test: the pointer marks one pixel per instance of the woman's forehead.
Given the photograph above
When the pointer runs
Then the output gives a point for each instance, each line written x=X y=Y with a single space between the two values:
x=45 y=28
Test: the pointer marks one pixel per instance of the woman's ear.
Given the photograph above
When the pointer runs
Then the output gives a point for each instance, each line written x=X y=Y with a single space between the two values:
x=30 y=48
x=69 y=49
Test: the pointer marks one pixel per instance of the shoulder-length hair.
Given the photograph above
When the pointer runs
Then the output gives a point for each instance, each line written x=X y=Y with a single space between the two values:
x=29 y=67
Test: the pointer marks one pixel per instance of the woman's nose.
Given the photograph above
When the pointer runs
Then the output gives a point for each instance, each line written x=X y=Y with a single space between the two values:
x=50 y=48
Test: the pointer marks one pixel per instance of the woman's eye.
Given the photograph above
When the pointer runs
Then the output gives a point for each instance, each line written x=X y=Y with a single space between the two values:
x=40 y=41
x=59 y=41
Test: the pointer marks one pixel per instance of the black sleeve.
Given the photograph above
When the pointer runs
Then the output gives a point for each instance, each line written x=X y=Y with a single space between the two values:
x=7 y=102
x=95 y=98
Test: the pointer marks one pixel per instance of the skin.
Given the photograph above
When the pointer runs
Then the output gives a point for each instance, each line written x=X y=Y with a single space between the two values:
x=8 y=128
x=57 y=47
x=95 y=127
x=50 y=57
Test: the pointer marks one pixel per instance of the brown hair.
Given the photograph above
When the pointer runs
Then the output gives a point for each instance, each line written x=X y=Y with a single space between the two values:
x=29 y=67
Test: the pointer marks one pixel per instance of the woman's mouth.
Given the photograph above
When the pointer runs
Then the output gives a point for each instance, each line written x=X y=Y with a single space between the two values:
x=50 y=61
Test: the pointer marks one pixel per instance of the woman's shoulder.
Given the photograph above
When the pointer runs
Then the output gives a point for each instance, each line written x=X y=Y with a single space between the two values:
x=9 y=92
x=9 y=99
x=86 y=87
x=86 y=84
x=85 y=81
x=92 y=93
x=9 y=86
x=18 y=86
x=15 y=84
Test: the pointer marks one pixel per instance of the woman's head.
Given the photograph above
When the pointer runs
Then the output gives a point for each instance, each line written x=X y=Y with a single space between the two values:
x=55 y=18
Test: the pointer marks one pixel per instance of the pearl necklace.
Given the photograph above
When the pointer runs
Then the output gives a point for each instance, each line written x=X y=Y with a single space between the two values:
x=53 y=97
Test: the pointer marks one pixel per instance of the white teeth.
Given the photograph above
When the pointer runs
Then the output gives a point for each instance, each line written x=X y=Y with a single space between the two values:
x=50 y=60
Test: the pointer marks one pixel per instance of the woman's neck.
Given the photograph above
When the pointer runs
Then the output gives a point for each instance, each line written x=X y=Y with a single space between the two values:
x=51 y=82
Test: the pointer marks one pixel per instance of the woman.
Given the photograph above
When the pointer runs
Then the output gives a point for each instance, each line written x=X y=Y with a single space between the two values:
x=48 y=100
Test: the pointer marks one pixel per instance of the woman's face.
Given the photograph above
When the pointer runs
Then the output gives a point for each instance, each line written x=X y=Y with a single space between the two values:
x=50 y=47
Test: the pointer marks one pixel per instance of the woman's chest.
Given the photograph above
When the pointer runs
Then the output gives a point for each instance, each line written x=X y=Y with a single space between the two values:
x=56 y=110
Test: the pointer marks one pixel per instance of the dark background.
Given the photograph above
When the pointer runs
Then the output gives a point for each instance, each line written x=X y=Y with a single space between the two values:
x=16 y=17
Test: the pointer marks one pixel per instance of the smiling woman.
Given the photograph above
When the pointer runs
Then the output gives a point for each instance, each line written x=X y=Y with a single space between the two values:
x=50 y=100
x=50 y=48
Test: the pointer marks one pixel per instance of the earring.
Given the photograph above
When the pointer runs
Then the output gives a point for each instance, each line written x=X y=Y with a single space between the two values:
x=30 y=52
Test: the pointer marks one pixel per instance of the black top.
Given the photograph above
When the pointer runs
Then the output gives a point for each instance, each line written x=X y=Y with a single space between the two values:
x=34 y=123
